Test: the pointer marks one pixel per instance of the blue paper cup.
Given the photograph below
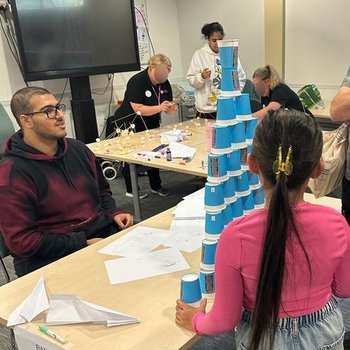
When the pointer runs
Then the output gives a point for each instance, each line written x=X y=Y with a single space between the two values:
x=226 y=114
x=248 y=203
x=242 y=106
x=221 y=139
x=214 y=224
x=217 y=167
x=238 y=139
x=254 y=182
x=214 y=197
x=207 y=283
x=250 y=126
x=237 y=209
x=242 y=184
x=228 y=215
x=208 y=254
x=259 y=198
x=229 y=189
x=230 y=82
x=228 y=52
x=190 y=289
x=234 y=163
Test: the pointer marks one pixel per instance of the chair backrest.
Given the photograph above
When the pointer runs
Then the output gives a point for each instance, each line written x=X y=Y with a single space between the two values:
x=249 y=88
x=7 y=128
x=255 y=105
x=4 y=251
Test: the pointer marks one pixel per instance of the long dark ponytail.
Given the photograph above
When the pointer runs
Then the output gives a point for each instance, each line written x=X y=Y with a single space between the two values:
x=282 y=130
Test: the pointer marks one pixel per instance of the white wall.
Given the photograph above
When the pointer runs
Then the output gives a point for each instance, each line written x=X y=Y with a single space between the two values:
x=317 y=43
x=241 y=19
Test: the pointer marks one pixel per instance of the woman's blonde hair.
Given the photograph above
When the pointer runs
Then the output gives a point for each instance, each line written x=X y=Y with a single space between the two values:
x=268 y=72
x=158 y=59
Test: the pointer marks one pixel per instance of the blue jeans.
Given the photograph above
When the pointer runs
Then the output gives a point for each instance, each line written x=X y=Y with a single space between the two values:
x=321 y=330
x=344 y=305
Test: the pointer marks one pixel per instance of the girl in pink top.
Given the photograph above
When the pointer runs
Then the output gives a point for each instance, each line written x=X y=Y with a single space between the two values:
x=277 y=269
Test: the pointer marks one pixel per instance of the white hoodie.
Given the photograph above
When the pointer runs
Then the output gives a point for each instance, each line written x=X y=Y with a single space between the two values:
x=206 y=58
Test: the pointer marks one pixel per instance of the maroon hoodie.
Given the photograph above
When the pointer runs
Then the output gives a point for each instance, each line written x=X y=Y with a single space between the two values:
x=50 y=205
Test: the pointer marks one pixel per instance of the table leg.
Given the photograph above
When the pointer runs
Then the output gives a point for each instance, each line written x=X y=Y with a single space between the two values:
x=135 y=192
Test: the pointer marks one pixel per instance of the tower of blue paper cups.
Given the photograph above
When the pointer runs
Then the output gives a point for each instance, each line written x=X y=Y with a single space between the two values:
x=231 y=190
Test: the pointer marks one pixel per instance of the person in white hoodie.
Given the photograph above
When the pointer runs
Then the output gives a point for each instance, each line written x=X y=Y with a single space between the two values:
x=204 y=73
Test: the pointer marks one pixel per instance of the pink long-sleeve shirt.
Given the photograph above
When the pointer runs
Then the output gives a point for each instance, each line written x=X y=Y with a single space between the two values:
x=326 y=238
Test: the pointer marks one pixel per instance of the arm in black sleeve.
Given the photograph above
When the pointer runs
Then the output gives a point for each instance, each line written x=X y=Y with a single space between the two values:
x=60 y=245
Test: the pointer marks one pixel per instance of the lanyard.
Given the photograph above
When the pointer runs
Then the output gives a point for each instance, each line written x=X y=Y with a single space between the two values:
x=158 y=95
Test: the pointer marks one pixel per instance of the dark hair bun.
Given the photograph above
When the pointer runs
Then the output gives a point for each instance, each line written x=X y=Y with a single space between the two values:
x=210 y=28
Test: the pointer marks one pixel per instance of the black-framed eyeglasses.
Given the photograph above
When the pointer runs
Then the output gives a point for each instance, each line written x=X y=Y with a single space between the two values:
x=51 y=111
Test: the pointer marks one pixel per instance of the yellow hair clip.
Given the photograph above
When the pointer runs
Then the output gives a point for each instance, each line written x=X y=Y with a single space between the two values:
x=280 y=166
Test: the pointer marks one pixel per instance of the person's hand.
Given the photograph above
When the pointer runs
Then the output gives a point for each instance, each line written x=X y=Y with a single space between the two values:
x=123 y=220
x=173 y=107
x=165 y=106
x=206 y=73
x=93 y=240
x=185 y=313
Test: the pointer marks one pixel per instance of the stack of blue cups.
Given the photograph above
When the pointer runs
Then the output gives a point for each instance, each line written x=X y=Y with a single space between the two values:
x=231 y=191
x=228 y=51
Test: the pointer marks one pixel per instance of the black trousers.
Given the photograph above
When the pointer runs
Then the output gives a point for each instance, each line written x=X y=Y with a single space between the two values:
x=153 y=176
x=346 y=199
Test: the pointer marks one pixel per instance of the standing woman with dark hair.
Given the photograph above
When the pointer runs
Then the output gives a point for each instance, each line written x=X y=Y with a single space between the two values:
x=204 y=73
x=274 y=93
x=281 y=264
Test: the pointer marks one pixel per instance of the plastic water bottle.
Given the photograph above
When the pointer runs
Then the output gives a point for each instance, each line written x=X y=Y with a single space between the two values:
x=168 y=154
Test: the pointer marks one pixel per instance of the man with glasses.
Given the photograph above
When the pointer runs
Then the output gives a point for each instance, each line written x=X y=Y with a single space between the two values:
x=54 y=197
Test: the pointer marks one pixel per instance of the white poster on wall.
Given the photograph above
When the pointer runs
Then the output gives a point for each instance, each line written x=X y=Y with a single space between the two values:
x=142 y=33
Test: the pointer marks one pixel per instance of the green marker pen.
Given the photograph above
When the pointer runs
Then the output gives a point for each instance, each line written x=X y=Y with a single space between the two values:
x=52 y=334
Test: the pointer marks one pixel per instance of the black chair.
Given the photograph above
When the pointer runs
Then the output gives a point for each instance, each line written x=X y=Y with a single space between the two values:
x=7 y=128
x=4 y=252
x=255 y=103
x=249 y=88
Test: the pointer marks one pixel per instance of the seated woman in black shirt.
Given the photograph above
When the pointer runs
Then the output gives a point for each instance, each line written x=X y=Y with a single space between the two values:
x=274 y=93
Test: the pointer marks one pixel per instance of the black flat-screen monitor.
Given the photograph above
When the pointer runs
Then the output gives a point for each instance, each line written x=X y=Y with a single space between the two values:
x=71 y=38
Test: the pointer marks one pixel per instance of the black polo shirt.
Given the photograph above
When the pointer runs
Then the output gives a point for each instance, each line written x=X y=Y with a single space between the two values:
x=140 y=90
x=285 y=96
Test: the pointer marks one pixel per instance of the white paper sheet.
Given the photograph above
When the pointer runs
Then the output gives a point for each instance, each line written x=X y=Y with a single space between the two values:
x=154 y=264
x=33 y=305
x=27 y=340
x=178 y=150
x=69 y=309
x=190 y=209
x=198 y=194
x=173 y=135
x=187 y=235
x=136 y=243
